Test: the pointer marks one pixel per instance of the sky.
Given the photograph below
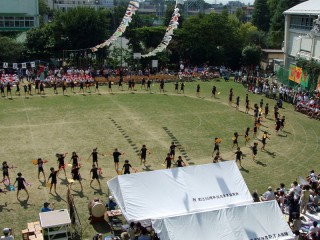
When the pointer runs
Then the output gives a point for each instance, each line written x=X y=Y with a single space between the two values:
x=226 y=1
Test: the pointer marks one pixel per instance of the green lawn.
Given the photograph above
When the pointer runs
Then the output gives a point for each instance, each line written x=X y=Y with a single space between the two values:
x=43 y=126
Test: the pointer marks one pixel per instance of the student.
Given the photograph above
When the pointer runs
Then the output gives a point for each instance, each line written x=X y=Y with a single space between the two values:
x=21 y=184
x=94 y=155
x=5 y=171
x=25 y=88
x=247 y=106
x=255 y=129
x=72 y=86
x=143 y=155
x=182 y=85
x=94 y=171
x=64 y=86
x=40 y=168
x=17 y=88
x=55 y=91
x=246 y=136
x=180 y=162
x=143 y=83
x=76 y=174
x=283 y=119
x=198 y=90
x=277 y=125
x=235 y=139
x=217 y=158
x=53 y=175
x=230 y=96
x=46 y=207
x=75 y=159
x=2 y=89
x=168 y=160
x=81 y=86
x=216 y=145
x=266 y=110
x=237 y=102
x=60 y=160
x=176 y=87
x=149 y=85
x=239 y=155
x=88 y=86
x=162 y=86
x=41 y=88
x=254 y=151
x=30 y=88
x=9 y=90
x=109 y=86
x=97 y=87
x=264 y=140
x=172 y=150
x=213 y=91
x=116 y=154
x=126 y=167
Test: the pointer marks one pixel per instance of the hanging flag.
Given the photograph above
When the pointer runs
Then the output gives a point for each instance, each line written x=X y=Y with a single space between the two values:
x=15 y=65
x=298 y=75
x=292 y=72
x=5 y=65
x=33 y=64
x=24 y=65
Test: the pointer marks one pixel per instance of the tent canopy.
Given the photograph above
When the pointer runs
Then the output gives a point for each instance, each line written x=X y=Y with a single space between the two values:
x=253 y=221
x=172 y=192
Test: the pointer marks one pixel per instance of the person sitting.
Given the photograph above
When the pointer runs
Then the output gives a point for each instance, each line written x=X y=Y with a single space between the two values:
x=7 y=232
x=111 y=205
x=144 y=234
x=313 y=230
x=46 y=207
x=268 y=195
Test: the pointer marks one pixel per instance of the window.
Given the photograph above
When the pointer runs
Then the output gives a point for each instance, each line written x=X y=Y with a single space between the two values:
x=302 y=22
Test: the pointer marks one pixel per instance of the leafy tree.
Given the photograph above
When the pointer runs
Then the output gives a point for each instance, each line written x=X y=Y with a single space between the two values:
x=240 y=14
x=251 y=55
x=10 y=50
x=260 y=17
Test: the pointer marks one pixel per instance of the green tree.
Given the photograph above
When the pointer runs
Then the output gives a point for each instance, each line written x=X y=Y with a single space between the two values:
x=260 y=17
x=10 y=50
x=251 y=55
x=240 y=14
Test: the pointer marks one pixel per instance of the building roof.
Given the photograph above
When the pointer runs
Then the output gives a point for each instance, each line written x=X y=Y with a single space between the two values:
x=272 y=50
x=311 y=7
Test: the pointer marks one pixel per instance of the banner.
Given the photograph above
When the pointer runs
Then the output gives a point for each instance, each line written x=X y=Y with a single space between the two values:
x=15 y=65
x=292 y=72
x=5 y=65
x=24 y=65
x=33 y=64
x=304 y=79
x=298 y=74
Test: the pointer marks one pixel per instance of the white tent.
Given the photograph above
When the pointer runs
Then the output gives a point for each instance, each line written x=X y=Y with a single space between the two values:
x=172 y=192
x=253 y=221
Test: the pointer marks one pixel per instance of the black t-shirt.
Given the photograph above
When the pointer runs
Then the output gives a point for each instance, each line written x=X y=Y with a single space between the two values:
x=94 y=171
x=75 y=172
x=94 y=156
x=5 y=169
x=61 y=160
x=74 y=160
x=179 y=162
x=127 y=167
x=143 y=151
x=116 y=156
x=53 y=176
x=238 y=154
x=20 y=181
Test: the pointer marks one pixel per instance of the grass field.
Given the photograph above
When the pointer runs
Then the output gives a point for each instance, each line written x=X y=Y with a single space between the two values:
x=43 y=126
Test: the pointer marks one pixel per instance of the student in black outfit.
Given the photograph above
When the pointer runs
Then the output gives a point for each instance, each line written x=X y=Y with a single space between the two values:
x=246 y=136
x=237 y=102
x=213 y=91
x=277 y=125
x=30 y=88
x=116 y=154
x=162 y=86
x=53 y=175
x=94 y=171
x=168 y=160
x=198 y=90
x=266 y=110
x=126 y=167
x=97 y=87
x=143 y=155
x=64 y=86
x=172 y=150
x=143 y=83
x=40 y=168
x=283 y=119
x=247 y=106
x=21 y=184
x=110 y=86
x=5 y=171
x=76 y=175
x=180 y=162
x=182 y=85
x=72 y=86
x=60 y=160
x=254 y=151
x=217 y=158
x=255 y=129
x=216 y=145
x=81 y=86
x=9 y=90
x=25 y=88
x=239 y=156
x=176 y=87
x=235 y=139
x=88 y=86
x=264 y=140
x=149 y=85
x=75 y=159
x=41 y=88
x=94 y=155
x=230 y=96
x=2 y=89
x=18 y=88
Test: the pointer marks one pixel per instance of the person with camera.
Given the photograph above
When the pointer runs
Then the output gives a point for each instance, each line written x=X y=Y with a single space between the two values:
x=7 y=234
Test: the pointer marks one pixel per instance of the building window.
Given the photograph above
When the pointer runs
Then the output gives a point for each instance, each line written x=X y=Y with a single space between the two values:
x=302 y=22
x=16 y=22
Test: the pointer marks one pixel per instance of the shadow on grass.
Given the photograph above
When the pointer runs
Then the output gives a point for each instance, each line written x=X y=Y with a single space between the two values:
x=98 y=191
x=79 y=193
x=261 y=163
x=25 y=204
x=101 y=227
x=147 y=168
x=280 y=135
x=272 y=154
x=244 y=170
x=58 y=198
x=286 y=132
x=4 y=207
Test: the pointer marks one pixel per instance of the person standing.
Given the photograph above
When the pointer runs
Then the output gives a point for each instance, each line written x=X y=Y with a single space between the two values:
x=198 y=90
x=21 y=185
x=176 y=87
x=246 y=136
x=97 y=87
x=94 y=171
x=40 y=168
x=213 y=91
x=53 y=175
x=216 y=147
x=168 y=160
x=60 y=160
x=110 y=86
x=17 y=88
x=94 y=155
x=5 y=171
x=76 y=175
x=9 y=90
x=254 y=151
x=143 y=155
x=162 y=86
x=264 y=140
x=237 y=102
x=235 y=139
x=180 y=162
x=116 y=154
x=230 y=96
x=239 y=156
x=182 y=85
x=266 y=110
x=126 y=167
x=172 y=150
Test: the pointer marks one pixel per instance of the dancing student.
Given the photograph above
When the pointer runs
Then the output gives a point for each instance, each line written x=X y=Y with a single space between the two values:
x=143 y=83
x=237 y=102
x=247 y=106
x=88 y=86
x=235 y=139
x=75 y=159
x=276 y=112
x=180 y=162
x=176 y=87
x=97 y=87
x=116 y=154
x=213 y=91
x=21 y=184
x=17 y=89
x=264 y=140
x=36 y=87
x=60 y=160
x=216 y=145
x=246 y=136
x=256 y=111
x=143 y=155
x=64 y=86
x=53 y=175
x=94 y=155
x=168 y=160
x=261 y=103
x=247 y=97
x=217 y=158
x=81 y=86
x=55 y=91
x=198 y=90
x=283 y=119
x=40 y=163
x=9 y=90
x=41 y=88
x=277 y=126
x=126 y=167
x=254 y=151
x=2 y=89
x=30 y=88
x=266 y=110
x=72 y=86
x=76 y=175
x=94 y=171
x=230 y=96
x=25 y=88
x=5 y=171
x=109 y=86
x=172 y=150
x=133 y=84
x=255 y=129
x=182 y=85
x=239 y=155
x=129 y=85
x=162 y=86
x=149 y=85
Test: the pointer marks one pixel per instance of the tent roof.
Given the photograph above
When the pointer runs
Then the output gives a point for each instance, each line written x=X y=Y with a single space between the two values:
x=311 y=7
x=252 y=221
x=177 y=191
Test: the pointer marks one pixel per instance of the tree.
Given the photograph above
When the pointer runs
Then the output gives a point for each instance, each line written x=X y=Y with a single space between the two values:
x=260 y=17
x=10 y=50
x=251 y=55
x=240 y=14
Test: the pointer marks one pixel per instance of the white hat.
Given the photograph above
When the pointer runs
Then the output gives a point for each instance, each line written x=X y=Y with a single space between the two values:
x=110 y=197
x=6 y=230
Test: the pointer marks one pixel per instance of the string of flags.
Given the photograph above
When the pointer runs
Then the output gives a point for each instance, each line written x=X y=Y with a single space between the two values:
x=131 y=10
x=16 y=65
x=174 y=22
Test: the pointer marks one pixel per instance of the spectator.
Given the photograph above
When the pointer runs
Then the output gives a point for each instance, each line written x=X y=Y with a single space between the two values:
x=111 y=205
x=296 y=222
x=304 y=199
x=144 y=235
x=268 y=195
x=255 y=197
x=313 y=230
x=46 y=207
x=7 y=232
